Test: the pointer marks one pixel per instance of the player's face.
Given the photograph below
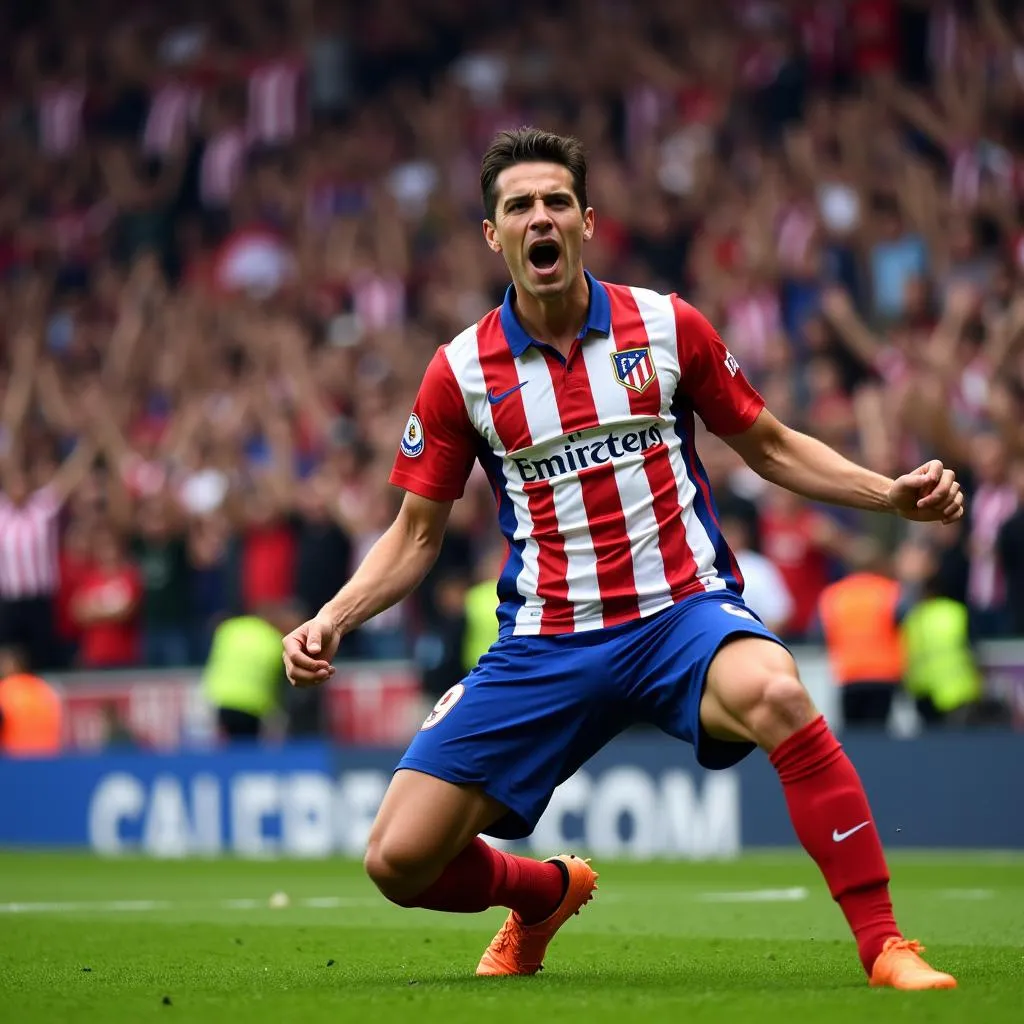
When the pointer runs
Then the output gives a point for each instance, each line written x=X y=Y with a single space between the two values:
x=539 y=228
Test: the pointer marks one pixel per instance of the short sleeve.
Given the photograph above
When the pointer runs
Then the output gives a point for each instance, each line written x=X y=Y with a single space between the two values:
x=709 y=376
x=438 y=447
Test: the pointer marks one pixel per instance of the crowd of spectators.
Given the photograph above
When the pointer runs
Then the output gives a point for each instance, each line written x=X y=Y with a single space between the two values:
x=232 y=234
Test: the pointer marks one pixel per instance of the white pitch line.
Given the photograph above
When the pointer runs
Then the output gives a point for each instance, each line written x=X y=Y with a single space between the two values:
x=70 y=907
x=126 y=906
x=967 y=894
x=794 y=895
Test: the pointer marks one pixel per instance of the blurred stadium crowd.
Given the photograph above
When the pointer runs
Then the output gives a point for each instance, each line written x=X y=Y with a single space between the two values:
x=232 y=234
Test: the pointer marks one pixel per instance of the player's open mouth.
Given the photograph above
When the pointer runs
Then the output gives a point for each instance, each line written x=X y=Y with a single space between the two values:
x=544 y=255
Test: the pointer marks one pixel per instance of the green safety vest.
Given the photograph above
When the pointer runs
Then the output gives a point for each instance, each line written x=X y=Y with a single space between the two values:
x=244 y=668
x=481 y=622
x=939 y=661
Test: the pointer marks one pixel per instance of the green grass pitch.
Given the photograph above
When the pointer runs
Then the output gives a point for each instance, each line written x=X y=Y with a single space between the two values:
x=90 y=940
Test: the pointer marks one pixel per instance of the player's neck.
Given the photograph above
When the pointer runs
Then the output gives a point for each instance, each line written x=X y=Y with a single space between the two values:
x=556 y=321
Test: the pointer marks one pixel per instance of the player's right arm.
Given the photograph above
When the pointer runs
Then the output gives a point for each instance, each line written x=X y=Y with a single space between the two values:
x=432 y=465
x=391 y=570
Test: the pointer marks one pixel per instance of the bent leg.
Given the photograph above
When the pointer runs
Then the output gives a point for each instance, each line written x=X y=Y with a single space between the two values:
x=487 y=759
x=753 y=693
x=424 y=851
x=422 y=824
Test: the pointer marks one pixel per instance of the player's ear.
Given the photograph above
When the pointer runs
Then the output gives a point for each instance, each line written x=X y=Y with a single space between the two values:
x=588 y=224
x=491 y=236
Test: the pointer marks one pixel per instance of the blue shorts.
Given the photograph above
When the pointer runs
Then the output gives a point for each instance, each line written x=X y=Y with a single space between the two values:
x=536 y=708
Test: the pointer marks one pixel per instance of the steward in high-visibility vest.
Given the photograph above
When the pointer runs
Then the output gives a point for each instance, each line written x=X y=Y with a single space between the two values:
x=481 y=613
x=940 y=665
x=859 y=617
x=244 y=673
x=31 y=710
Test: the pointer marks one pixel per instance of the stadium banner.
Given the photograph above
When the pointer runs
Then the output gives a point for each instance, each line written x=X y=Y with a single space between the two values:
x=369 y=703
x=643 y=797
x=382 y=703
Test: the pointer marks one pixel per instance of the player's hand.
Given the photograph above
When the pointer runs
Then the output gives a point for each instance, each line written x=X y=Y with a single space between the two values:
x=929 y=494
x=309 y=650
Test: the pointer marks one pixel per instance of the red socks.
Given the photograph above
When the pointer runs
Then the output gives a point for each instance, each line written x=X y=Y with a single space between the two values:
x=830 y=815
x=832 y=819
x=482 y=877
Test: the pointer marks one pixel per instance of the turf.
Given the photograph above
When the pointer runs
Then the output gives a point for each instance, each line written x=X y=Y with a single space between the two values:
x=83 y=939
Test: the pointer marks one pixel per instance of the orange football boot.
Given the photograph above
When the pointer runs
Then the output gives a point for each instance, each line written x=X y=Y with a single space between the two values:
x=519 y=948
x=899 y=966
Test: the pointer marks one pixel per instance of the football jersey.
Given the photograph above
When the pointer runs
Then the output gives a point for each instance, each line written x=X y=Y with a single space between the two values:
x=600 y=494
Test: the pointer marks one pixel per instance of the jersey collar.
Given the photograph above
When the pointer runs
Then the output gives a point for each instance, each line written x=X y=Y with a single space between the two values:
x=599 y=316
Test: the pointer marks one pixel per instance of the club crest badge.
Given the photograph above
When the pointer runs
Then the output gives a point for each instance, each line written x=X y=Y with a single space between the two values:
x=634 y=368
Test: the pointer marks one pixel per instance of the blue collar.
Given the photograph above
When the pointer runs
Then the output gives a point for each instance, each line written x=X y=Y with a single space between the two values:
x=599 y=316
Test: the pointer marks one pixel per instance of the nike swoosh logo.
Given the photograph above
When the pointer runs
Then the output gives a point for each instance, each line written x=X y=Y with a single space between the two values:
x=838 y=837
x=494 y=398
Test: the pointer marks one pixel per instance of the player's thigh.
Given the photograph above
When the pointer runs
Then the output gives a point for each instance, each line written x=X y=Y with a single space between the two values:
x=525 y=718
x=753 y=693
x=668 y=670
x=424 y=821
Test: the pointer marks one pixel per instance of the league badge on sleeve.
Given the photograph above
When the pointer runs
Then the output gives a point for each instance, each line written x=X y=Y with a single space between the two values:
x=412 y=439
x=634 y=368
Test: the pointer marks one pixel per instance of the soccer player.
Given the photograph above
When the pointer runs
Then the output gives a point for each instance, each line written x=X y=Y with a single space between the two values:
x=620 y=602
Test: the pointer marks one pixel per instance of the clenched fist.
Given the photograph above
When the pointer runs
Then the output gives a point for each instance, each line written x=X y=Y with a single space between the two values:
x=309 y=650
x=929 y=494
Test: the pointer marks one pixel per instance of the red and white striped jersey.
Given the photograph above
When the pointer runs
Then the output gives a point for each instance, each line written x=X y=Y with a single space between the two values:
x=991 y=506
x=753 y=318
x=28 y=546
x=172 y=109
x=604 y=503
x=60 y=118
x=378 y=299
x=221 y=167
x=276 y=101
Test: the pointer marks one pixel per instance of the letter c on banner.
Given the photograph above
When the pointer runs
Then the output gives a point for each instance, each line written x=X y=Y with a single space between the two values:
x=117 y=797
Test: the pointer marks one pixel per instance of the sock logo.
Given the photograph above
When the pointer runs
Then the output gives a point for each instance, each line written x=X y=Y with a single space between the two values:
x=838 y=837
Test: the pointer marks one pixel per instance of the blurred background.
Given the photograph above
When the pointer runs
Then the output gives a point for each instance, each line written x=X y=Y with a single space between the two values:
x=232 y=234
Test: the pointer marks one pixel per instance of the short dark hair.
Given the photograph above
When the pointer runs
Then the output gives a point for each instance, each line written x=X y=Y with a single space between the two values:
x=531 y=145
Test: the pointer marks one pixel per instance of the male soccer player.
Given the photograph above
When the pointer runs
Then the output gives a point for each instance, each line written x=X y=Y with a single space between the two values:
x=620 y=601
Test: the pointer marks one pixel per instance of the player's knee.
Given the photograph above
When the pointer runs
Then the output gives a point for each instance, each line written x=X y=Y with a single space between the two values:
x=395 y=867
x=784 y=706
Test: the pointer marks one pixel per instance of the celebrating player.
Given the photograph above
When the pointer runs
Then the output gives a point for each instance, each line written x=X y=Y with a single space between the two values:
x=620 y=601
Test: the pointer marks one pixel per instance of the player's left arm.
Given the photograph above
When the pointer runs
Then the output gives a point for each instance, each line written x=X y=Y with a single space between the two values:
x=712 y=381
x=807 y=466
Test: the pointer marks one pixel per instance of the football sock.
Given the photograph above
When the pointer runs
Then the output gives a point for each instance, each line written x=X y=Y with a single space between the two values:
x=481 y=877
x=830 y=814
